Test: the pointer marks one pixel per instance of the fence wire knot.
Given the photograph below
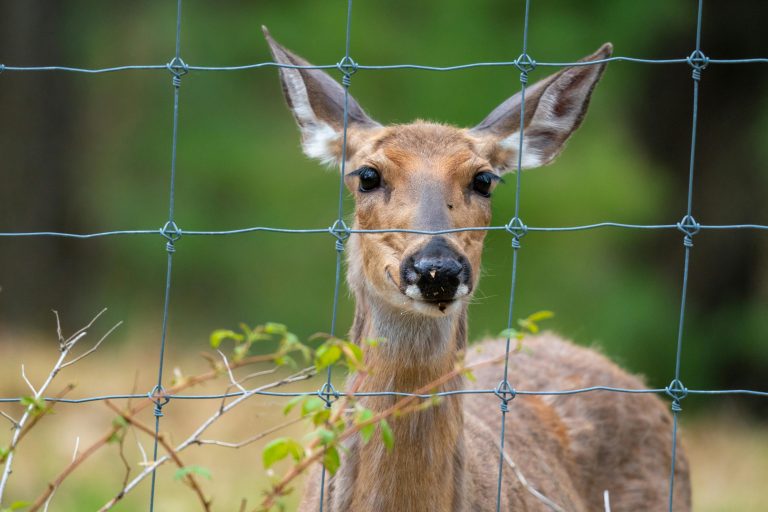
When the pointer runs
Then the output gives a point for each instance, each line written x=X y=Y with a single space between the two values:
x=677 y=391
x=2 y=68
x=159 y=398
x=698 y=61
x=171 y=232
x=506 y=393
x=348 y=67
x=340 y=232
x=517 y=229
x=689 y=227
x=328 y=394
x=525 y=64
x=178 y=68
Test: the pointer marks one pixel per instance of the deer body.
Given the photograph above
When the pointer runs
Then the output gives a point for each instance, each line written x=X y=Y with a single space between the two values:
x=412 y=290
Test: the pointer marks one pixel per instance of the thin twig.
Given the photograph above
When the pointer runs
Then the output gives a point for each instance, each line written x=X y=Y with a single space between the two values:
x=302 y=375
x=229 y=372
x=30 y=410
x=78 y=333
x=143 y=404
x=10 y=418
x=191 y=480
x=53 y=492
x=528 y=487
x=24 y=376
x=251 y=439
x=93 y=348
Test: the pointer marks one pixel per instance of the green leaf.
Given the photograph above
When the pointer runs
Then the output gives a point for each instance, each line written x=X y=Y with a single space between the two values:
x=321 y=417
x=540 y=315
x=354 y=355
x=292 y=403
x=331 y=459
x=387 y=436
x=192 y=470
x=508 y=333
x=220 y=335
x=470 y=375
x=275 y=328
x=311 y=405
x=374 y=342
x=367 y=431
x=16 y=505
x=281 y=448
x=36 y=405
x=326 y=436
x=326 y=355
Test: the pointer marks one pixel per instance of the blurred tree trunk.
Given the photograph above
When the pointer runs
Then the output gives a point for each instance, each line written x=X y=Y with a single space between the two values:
x=38 y=129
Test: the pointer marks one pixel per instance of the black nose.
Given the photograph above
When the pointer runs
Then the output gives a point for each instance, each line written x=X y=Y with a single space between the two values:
x=437 y=270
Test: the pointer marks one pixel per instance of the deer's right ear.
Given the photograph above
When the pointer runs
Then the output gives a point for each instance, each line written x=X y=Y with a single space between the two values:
x=317 y=103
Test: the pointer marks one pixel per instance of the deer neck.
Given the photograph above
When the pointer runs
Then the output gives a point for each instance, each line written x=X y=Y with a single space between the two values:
x=425 y=469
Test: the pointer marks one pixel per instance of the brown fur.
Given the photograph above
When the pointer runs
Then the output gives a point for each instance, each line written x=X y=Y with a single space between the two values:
x=446 y=457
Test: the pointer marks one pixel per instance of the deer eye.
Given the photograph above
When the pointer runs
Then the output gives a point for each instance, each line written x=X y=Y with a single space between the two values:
x=482 y=182
x=369 y=179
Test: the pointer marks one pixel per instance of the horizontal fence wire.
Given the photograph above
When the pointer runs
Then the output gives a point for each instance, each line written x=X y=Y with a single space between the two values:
x=171 y=232
x=348 y=231
x=372 y=67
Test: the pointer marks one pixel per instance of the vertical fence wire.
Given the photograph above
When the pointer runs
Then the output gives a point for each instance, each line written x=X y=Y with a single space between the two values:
x=339 y=230
x=689 y=227
x=171 y=233
x=505 y=391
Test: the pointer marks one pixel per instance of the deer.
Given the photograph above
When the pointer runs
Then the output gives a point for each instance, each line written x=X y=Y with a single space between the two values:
x=413 y=290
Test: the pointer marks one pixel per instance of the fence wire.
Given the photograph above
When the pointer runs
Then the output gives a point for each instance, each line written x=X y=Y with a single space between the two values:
x=171 y=232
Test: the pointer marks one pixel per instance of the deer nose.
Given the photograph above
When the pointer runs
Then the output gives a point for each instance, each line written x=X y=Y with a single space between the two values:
x=436 y=271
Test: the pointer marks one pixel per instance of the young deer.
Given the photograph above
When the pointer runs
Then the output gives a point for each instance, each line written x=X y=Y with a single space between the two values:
x=413 y=290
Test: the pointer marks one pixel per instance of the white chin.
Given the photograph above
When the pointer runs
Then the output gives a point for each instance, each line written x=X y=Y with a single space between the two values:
x=434 y=309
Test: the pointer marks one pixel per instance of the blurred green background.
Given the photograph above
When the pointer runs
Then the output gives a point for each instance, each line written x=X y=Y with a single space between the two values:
x=84 y=153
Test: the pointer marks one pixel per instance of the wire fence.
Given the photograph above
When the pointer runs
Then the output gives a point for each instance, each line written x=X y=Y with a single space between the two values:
x=517 y=229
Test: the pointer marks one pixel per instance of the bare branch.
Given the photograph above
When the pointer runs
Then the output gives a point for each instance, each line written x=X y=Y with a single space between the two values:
x=229 y=371
x=24 y=376
x=528 y=487
x=192 y=439
x=191 y=480
x=31 y=411
x=251 y=439
x=59 y=335
x=77 y=446
x=75 y=337
x=93 y=348
x=143 y=404
x=10 y=418
x=53 y=492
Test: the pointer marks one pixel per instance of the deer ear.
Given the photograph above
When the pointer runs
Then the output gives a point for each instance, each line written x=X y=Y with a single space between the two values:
x=554 y=108
x=317 y=103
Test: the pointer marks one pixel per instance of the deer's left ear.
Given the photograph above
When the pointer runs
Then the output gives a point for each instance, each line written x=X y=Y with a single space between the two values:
x=317 y=103
x=554 y=108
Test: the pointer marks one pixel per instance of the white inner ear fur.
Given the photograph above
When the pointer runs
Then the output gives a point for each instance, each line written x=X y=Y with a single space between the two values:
x=531 y=157
x=546 y=119
x=317 y=136
x=317 y=141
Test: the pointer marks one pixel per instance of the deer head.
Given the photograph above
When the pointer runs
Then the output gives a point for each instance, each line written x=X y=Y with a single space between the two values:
x=429 y=176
